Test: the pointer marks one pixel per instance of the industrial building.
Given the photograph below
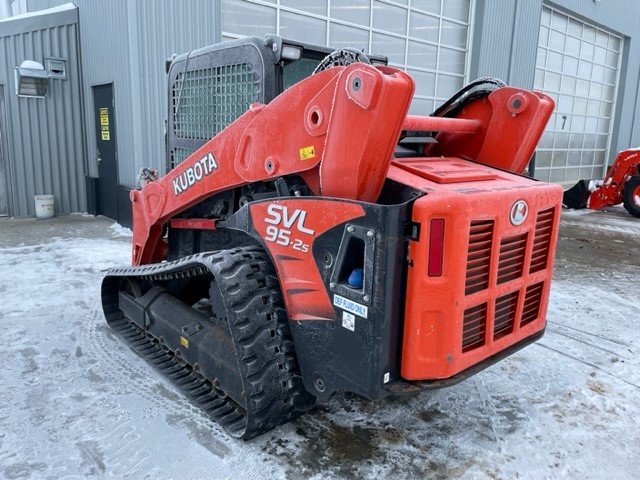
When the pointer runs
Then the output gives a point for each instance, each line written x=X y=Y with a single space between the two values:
x=83 y=92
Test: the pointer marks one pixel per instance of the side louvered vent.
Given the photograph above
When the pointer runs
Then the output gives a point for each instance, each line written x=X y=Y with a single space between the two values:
x=474 y=327
x=532 y=299
x=512 y=252
x=479 y=256
x=542 y=240
x=505 y=317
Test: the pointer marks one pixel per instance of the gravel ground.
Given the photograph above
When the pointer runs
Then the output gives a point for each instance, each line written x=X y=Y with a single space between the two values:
x=75 y=402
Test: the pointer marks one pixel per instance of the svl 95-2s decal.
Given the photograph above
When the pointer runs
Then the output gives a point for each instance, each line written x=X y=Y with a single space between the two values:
x=289 y=228
x=281 y=221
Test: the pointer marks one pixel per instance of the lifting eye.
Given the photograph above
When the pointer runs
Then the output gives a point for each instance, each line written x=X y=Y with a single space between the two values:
x=517 y=103
x=314 y=120
x=315 y=117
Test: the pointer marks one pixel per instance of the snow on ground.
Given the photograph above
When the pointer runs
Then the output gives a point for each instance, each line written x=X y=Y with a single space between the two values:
x=617 y=220
x=75 y=402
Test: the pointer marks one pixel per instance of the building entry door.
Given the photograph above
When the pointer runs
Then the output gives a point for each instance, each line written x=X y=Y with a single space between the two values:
x=106 y=150
x=4 y=204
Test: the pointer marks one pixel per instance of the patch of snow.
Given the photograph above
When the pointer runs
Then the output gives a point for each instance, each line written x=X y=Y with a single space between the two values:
x=120 y=231
x=623 y=222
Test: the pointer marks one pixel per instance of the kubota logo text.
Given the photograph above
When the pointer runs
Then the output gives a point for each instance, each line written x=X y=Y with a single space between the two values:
x=195 y=173
x=279 y=216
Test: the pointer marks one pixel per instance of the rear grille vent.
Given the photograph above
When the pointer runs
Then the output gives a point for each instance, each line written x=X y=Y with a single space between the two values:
x=512 y=252
x=542 y=240
x=505 y=317
x=532 y=299
x=474 y=327
x=494 y=262
x=479 y=256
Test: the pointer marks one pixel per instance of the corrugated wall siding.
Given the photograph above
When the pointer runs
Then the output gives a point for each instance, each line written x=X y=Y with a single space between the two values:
x=505 y=46
x=126 y=42
x=158 y=30
x=45 y=137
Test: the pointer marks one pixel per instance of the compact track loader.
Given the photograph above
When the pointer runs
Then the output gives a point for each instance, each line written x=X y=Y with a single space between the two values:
x=311 y=237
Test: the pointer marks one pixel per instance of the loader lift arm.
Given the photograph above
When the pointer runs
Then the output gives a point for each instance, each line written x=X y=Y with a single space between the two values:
x=360 y=109
x=309 y=129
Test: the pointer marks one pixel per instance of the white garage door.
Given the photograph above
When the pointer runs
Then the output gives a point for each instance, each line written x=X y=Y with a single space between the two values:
x=578 y=66
x=428 y=38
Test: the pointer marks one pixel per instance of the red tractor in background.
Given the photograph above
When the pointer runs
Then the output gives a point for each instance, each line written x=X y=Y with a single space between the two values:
x=310 y=237
x=620 y=185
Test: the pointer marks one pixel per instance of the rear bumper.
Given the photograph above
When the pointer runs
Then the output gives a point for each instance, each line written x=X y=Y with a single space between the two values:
x=411 y=387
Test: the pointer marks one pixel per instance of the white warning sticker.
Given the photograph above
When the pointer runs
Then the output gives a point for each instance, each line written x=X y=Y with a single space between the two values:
x=350 y=306
x=349 y=321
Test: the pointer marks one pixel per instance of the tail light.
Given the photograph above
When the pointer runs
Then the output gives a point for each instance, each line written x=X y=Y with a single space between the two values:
x=436 y=247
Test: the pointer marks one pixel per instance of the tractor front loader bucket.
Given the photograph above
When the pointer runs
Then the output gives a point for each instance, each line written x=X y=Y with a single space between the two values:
x=577 y=196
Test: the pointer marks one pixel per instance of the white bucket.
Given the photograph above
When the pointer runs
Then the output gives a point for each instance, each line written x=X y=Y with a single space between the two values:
x=44 y=206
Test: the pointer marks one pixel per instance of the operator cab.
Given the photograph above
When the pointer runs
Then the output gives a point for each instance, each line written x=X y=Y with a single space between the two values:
x=211 y=87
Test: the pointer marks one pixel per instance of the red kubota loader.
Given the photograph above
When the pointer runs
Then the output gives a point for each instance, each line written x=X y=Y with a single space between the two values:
x=620 y=185
x=325 y=241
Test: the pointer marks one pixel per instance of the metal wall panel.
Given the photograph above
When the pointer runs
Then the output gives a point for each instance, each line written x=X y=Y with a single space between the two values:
x=127 y=42
x=159 y=29
x=505 y=40
x=44 y=135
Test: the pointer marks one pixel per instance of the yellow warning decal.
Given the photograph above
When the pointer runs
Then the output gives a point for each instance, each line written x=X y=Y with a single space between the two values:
x=184 y=342
x=307 y=152
x=104 y=118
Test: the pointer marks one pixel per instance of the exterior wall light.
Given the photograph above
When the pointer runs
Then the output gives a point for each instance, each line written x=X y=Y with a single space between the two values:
x=32 y=80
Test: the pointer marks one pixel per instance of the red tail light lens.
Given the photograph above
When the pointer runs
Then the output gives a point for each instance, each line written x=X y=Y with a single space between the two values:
x=436 y=247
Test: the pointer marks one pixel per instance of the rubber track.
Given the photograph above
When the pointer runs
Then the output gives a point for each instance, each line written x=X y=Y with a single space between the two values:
x=273 y=388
